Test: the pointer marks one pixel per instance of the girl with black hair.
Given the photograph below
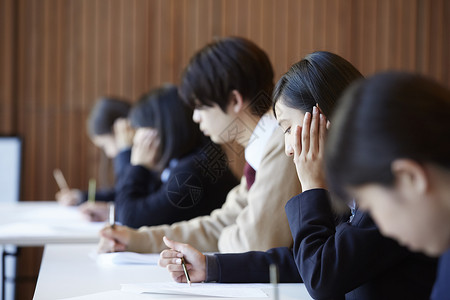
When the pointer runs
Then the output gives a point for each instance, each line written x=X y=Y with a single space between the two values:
x=175 y=173
x=397 y=128
x=105 y=127
x=337 y=255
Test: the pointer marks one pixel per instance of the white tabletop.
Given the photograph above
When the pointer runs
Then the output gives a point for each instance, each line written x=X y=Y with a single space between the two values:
x=30 y=223
x=71 y=271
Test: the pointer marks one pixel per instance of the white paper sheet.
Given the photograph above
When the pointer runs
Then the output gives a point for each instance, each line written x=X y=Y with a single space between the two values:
x=198 y=289
x=110 y=295
x=126 y=258
x=35 y=229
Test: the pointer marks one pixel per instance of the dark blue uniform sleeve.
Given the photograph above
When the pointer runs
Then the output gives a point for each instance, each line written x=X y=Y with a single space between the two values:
x=253 y=266
x=334 y=260
x=441 y=289
x=121 y=163
x=143 y=200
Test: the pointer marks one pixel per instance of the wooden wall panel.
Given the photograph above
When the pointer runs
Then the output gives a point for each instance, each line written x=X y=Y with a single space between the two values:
x=62 y=55
x=7 y=58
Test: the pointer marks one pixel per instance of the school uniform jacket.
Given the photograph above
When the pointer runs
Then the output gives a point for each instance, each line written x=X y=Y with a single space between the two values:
x=250 y=219
x=198 y=183
x=441 y=289
x=348 y=261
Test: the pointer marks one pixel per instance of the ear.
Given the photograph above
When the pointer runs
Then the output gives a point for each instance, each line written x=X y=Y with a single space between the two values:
x=235 y=102
x=410 y=176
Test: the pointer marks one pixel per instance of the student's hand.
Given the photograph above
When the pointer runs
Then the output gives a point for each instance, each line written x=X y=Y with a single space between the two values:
x=95 y=212
x=69 y=197
x=171 y=259
x=114 y=239
x=145 y=151
x=309 y=147
x=123 y=134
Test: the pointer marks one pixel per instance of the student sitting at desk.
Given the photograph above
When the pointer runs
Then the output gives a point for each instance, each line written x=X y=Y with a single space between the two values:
x=335 y=255
x=105 y=124
x=397 y=127
x=228 y=83
x=167 y=181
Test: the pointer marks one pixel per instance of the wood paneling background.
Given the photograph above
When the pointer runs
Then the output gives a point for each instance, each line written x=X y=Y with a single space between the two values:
x=58 y=56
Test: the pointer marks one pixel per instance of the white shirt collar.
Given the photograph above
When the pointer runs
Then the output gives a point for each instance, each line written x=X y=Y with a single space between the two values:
x=259 y=139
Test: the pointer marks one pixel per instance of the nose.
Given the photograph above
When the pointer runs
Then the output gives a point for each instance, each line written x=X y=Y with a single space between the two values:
x=196 y=116
x=288 y=148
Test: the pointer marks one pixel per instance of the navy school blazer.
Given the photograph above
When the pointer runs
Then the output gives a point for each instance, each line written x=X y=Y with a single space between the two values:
x=343 y=261
x=197 y=185
x=441 y=289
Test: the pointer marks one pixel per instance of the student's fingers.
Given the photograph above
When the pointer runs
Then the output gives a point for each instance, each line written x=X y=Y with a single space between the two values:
x=297 y=146
x=164 y=262
x=169 y=257
x=168 y=253
x=314 y=131
x=306 y=132
x=178 y=277
x=105 y=246
x=178 y=267
x=174 y=245
x=119 y=247
x=120 y=234
x=322 y=133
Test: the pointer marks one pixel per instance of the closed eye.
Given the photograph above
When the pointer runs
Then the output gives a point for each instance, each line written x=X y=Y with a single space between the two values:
x=288 y=130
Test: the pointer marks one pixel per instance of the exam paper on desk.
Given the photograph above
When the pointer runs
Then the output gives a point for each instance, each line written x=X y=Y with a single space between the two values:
x=198 y=289
x=126 y=258
x=110 y=295
x=19 y=229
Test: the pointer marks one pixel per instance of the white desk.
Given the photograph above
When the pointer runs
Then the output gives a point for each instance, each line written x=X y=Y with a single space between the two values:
x=68 y=271
x=38 y=223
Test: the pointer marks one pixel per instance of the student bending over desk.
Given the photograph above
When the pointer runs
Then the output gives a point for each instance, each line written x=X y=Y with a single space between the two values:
x=335 y=255
x=397 y=127
x=167 y=181
x=105 y=128
x=228 y=82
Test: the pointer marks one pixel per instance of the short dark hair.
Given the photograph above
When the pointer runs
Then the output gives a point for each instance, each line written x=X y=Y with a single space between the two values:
x=319 y=78
x=104 y=113
x=228 y=64
x=163 y=110
x=389 y=116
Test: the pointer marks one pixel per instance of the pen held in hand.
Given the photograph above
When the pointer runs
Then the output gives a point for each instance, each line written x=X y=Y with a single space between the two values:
x=112 y=215
x=60 y=180
x=183 y=263
x=91 y=191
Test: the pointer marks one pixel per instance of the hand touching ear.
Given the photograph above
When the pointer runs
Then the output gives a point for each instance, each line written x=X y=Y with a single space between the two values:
x=309 y=144
x=145 y=151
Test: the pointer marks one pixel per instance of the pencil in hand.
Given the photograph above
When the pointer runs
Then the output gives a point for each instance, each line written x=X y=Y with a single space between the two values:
x=183 y=263
x=112 y=215
x=60 y=180
x=91 y=191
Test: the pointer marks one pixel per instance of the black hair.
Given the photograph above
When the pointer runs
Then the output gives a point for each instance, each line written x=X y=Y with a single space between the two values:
x=389 y=116
x=319 y=78
x=225 y=65
x=163 y=110
x=104 y=113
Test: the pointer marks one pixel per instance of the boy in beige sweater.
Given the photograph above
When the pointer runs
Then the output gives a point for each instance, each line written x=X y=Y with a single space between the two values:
x=229 y=83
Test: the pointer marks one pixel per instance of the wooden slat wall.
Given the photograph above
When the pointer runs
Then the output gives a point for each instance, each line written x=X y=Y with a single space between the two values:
x=58 y=56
